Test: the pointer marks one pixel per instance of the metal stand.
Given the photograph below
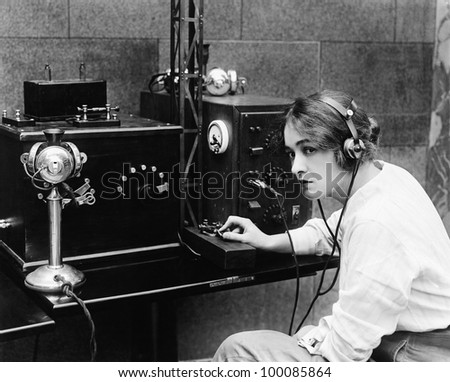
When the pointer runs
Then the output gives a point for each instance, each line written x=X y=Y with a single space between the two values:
x=182 y=59
x=52 y=277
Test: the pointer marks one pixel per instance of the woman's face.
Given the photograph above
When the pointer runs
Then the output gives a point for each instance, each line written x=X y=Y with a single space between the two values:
x=316 y=169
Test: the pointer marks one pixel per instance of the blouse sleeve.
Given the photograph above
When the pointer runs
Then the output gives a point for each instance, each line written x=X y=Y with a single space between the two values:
x=373 y=293
x=314 y=237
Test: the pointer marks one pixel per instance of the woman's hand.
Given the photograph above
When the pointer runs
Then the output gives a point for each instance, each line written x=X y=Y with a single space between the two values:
x=244 y=231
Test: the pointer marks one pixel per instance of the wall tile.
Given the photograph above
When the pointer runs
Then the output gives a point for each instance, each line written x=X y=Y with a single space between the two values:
x=38 y=18
x=383 y=78
x=306 y=20
x=222 y=19
x=149 y=18
x=164 y=54
x=126 y=65
x=423 y=12
x=410 y=158
x=124 y=19
x=403 y=130
x=275 y=69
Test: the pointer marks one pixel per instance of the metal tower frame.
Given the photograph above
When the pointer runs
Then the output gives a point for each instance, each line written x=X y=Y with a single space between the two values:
x=186 y=45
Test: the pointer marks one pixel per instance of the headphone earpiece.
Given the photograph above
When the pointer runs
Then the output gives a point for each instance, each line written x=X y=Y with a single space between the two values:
x=353 y=147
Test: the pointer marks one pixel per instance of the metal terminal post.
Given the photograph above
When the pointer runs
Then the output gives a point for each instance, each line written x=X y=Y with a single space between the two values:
x=48 y=72
x=108 y=111
x=85 y=110
x=82 y=71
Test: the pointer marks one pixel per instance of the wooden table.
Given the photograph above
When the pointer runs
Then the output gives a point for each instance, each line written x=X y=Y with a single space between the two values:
x=149 y=283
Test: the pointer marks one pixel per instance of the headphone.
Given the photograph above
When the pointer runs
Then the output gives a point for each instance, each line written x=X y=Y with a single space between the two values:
x=353 y=147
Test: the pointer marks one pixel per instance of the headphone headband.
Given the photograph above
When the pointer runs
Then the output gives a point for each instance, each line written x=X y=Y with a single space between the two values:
x=353 y=148
x=346 y=114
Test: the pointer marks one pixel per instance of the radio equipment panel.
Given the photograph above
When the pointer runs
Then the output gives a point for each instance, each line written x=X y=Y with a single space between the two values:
x=252 y=127
x=240 y=142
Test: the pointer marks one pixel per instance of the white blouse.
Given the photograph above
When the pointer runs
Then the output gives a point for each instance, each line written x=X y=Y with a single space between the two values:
x=395 y=267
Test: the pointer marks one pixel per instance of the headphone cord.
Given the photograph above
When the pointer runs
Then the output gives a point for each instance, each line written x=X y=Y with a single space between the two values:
x=355 y=171
x=335 y=244
x=297 y=270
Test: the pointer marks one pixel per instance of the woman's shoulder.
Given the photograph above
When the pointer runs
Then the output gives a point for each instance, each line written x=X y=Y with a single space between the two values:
x=396 y=200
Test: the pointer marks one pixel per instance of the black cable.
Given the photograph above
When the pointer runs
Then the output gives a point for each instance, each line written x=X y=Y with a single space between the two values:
x=335 y=244
x=355 y=171
x=335 y=240
x=322 y=213
x=34 y=179
x=185 y=245
x=280 y=200
x=67 y=289
x=297 y=270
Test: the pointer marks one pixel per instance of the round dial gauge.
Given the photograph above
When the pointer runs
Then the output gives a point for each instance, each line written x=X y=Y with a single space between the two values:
x=218 y=136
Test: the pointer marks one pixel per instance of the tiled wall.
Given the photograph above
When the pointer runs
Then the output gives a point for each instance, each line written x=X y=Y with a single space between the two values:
x=117 y=41
x=379 y=51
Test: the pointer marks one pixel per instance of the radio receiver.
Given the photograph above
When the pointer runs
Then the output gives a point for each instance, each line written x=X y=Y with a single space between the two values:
x=240 y=142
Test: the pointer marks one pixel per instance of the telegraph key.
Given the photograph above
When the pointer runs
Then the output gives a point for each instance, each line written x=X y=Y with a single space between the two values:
x=97 y=119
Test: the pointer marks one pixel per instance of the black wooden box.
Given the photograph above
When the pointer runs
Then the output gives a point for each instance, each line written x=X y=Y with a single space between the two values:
x=126 y=166
x=59 y=99
x=225 y=254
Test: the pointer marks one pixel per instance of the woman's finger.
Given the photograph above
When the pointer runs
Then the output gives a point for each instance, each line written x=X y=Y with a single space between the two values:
x=231 y=222
x=232 y=236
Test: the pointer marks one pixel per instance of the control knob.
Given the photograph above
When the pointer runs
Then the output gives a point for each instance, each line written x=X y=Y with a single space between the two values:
x=273 y=215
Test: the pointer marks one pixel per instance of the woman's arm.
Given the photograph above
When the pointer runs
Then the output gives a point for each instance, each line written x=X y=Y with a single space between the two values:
x=312 y=238
x=243 y=230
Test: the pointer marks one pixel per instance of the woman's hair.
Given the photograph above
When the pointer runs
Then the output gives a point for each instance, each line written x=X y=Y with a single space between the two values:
x=326 y=128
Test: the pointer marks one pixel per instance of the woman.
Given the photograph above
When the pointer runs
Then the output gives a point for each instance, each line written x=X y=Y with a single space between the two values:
x=394 y=286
